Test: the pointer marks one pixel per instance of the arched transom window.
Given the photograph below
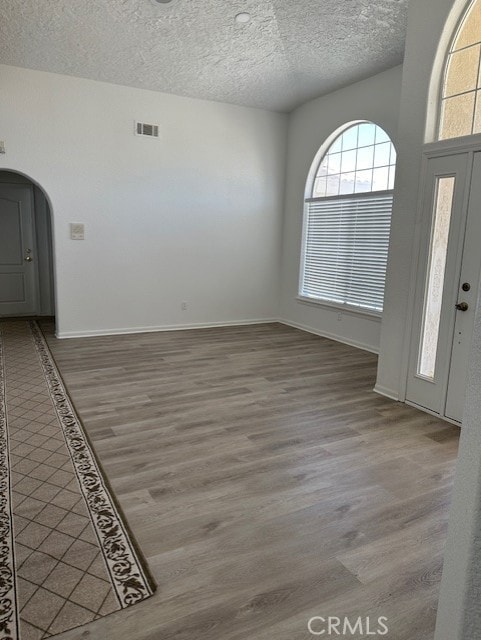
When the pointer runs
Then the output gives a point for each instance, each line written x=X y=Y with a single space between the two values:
x=347 y=217
x=461 y=95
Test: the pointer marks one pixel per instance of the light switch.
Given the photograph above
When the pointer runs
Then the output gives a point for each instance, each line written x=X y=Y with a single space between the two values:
x=77 y=231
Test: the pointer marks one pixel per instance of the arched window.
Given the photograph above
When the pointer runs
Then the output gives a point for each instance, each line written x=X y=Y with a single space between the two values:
x=461 y=94
x=347 y=218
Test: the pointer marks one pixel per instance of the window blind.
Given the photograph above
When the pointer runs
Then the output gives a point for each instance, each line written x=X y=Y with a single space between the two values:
x=346 y=249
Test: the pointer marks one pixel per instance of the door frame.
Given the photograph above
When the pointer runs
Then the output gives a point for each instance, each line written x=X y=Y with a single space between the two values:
x=467 y=144
x=50 y=213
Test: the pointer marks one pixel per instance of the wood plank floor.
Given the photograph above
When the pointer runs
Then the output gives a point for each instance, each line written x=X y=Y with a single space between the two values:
x=264 y=481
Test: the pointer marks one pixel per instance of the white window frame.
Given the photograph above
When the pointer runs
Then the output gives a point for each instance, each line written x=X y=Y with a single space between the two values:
x=313 y=171
x=454 y=34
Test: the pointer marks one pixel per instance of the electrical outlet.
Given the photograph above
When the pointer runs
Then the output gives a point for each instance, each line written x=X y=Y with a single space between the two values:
x=339 y=317
x=183 y=306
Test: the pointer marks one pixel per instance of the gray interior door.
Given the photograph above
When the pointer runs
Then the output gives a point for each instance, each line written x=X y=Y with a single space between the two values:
x=18 y=263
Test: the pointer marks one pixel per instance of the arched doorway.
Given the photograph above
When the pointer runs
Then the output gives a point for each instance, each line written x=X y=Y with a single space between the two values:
x=26 y=248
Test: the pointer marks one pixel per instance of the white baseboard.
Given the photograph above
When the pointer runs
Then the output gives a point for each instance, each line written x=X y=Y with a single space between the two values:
x=210 y=325
x=387 y=393
x=331 y=336
x=151 y=329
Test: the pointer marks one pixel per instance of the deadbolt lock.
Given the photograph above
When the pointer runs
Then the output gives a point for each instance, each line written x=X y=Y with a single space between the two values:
x=466 y=286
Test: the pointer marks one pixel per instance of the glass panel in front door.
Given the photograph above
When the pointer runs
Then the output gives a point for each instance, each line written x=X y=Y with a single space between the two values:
x=443 y=206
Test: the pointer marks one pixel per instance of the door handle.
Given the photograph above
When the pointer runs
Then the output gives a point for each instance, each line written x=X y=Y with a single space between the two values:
x=462 y=306
x=28 y=258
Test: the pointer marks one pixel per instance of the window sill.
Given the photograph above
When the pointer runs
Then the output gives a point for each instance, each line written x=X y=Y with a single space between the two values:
x=341 y=308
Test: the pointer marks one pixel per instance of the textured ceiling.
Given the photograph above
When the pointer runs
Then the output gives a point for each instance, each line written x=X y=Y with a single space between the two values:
x=289 y=52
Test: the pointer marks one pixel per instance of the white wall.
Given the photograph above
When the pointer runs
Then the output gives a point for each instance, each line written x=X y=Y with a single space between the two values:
x=195 y=216
x=459 y=616
x=376 y=99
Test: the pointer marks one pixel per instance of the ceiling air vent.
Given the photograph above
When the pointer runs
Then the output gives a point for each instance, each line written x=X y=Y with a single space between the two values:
x=149 y=130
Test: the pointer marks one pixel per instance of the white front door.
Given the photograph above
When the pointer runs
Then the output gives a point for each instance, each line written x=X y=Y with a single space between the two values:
x=447 y=284
x=18 y=260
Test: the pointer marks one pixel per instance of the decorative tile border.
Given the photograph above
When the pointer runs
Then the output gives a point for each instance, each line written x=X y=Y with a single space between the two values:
x=130 y=582
x=9 y=622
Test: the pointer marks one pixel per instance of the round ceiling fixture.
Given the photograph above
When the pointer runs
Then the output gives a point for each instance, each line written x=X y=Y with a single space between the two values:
x=161 y=1
x=243 y=17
